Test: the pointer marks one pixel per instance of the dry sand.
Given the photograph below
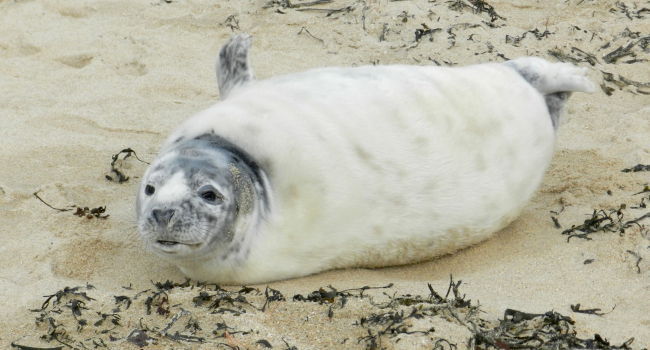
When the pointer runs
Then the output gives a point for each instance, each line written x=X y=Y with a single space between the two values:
x=82 y=80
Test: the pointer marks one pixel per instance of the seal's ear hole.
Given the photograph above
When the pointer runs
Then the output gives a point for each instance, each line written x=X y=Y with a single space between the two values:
x=210 y=194
x=149 y=190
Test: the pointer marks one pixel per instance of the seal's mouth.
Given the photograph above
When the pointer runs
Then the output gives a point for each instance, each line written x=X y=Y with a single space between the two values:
x=168 y=243
x=174 y=246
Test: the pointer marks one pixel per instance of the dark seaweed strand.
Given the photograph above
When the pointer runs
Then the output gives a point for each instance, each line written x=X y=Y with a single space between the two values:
x=44 y=202
x=121 y=177
x=637 y=168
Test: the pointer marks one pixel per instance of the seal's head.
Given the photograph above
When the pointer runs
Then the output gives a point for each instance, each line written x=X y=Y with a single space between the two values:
x=201 y=198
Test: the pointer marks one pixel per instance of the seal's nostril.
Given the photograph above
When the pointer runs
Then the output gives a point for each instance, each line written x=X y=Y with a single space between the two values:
x=162 y=216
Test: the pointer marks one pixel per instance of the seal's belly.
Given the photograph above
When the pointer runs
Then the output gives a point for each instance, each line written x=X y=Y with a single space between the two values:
x=391 y=165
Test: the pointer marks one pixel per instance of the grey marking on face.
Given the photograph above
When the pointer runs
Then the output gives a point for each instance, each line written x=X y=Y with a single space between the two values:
x=233 y=67
x=206 y=188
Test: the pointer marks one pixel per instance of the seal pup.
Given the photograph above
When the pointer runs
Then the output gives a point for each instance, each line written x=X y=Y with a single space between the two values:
x=350 y=167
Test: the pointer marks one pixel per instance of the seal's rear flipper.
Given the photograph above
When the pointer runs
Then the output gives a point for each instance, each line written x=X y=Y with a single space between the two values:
x=556 y=81
x=233 y=67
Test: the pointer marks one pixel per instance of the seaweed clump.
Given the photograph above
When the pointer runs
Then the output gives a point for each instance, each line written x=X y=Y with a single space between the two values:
x=550 y=330
x=612 y=220
x=171 y=315
x=117 y=172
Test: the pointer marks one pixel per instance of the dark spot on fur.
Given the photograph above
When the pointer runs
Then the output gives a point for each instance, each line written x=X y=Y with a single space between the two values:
x=234 y=248
x=555 y=102
x=366 y=157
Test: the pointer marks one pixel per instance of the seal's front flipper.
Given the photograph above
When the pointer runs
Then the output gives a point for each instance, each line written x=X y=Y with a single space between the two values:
x=555 y=81
x=233 y=67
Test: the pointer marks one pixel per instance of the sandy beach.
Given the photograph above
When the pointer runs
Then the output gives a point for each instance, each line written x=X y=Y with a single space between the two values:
x=81 y=81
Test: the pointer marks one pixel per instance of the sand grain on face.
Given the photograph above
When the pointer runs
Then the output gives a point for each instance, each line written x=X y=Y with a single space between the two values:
x=83 y=80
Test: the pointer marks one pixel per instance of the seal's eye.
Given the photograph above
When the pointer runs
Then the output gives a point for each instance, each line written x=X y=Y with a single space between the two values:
x=149 y=190
x=210 y=194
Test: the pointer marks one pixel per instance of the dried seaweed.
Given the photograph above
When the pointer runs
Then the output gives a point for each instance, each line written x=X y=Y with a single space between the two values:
x=594 y=311
x=458 y=5
x=169 y=285
x=630 y=13
x=288 y=4
x=66 y=292
x=551 y=330
x=584 y=56
x=387 y=319
x=159 y=298
x=440 y=343
x=556 y=222
x=603 y=221
x=323 y=295
x=235 y=303
x=288 y=346
x=113 y=318
x=579 y=56
x=482 y=6
x=391 y=323
x=328 y=12
x=140 y=338
x=177 y=336
x=424 y=31
x=306 y=31
x=122 y=300
x=265 y=343
x=97 y=212
x=404 y=16
x=539 y=35
x=451 y=37
x=271 y=295
x=637 y=168
x=90 y=213
x=232 y=22
x=55 y=332
x=621 y=82
x=119 y=176
x=35 y=194
x=620 y=52
x=477 y=6
x=384 y=31
x=306 y=6
x=645 y=189
x=25 y=347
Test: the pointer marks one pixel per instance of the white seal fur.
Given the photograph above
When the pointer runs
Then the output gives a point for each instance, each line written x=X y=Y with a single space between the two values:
x=350 y=167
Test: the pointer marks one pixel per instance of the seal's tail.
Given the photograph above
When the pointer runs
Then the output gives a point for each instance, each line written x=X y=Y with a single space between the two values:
x=233 y=65
x=556 y=81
